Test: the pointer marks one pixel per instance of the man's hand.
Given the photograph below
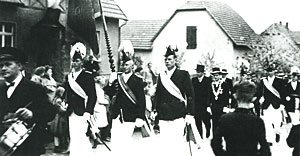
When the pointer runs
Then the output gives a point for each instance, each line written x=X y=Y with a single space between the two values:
x=86 y=116
x=208 y=110
x=189 y=119
x=139 y=122
x=261 y=100
x=153 y=115
x=24 y=113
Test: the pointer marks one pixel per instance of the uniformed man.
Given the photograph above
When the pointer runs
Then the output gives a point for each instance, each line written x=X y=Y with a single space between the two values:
x=174 y=104
x=80 y=94
x=128 y=111
x=24 y=100
x=271 y=95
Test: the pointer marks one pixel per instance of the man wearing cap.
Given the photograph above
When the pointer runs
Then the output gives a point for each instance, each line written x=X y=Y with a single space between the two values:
x=229 y=82
x=292 y=97
x=81 y=97
x=271 y=96
x=218 y=97
x=242 y=130
x=23 y=100
x=202 y=87
x=174 y=103
x=128 y=111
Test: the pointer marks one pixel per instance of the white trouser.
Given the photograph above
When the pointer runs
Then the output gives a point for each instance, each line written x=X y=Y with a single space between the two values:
x=172 y=139
x=272 y=119
x=79 y=143
x=121 y=137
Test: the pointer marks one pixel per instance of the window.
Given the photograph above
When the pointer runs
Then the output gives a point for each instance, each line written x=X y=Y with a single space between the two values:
x=7 y=31
x=191 y=37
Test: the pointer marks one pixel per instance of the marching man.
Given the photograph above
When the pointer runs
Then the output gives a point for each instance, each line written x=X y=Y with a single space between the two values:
x=270 y=96
x=81 y=99
x=174 y=105
x=128 y=111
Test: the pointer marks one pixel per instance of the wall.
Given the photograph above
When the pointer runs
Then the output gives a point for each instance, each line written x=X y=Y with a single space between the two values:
x=114 y=36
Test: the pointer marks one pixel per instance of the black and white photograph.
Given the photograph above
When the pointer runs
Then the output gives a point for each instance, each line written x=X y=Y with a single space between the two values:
x=149 y=77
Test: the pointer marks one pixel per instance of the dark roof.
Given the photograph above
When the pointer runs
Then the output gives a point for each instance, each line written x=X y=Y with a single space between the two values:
x=230 y=21
x=12 y=1
x=110 y=9
x=141 y=32
x=295 y=36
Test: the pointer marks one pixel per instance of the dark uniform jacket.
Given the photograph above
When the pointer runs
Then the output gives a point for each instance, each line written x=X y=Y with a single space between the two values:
x=242 y=131
x=201 y=90
x=43 y=111
x=293 y=140
x=270 y=98
x=76 y=102
x=290 y=105
x=222 y=101
x=168 y=106
x=130 y=111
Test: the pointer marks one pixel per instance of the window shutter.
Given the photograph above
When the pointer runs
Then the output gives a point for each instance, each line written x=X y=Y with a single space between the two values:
x=191 y=37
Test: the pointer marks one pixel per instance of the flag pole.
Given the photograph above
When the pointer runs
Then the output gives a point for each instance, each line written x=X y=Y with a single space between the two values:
x=107 y=40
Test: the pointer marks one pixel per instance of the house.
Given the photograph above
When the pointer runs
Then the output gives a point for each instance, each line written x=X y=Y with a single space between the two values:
x=284 y=42
x=205 y=32
x=39 y=27
x=141 y=33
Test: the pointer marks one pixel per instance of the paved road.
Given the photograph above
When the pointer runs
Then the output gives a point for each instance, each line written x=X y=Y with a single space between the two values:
x=146 y=146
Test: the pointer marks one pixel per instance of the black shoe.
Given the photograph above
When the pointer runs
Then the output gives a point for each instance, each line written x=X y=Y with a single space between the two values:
x=277 y=139
x=270 y=144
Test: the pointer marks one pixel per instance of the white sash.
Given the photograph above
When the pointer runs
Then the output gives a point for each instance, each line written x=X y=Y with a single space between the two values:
x=271 y=88
x=171 y=87
x=77 y=89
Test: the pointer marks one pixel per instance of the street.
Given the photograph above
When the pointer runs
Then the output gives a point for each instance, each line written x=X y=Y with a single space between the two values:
x=151 y=145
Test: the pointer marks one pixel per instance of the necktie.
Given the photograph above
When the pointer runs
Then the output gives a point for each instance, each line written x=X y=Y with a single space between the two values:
x=7 y=87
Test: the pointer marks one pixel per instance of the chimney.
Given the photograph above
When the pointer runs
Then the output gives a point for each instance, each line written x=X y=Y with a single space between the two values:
x=287 y=25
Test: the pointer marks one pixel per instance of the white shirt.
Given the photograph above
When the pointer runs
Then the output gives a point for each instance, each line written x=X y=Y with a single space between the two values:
x=170 y=72
x=271 y=79
x=294 y=84
x=200 y=78
x=11 y=89
x=76 y=74
x=126 y=76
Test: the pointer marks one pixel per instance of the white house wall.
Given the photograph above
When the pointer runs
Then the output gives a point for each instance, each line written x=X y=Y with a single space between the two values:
x=210 y=39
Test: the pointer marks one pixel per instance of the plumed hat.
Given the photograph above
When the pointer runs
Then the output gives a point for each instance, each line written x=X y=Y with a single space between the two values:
x=78 y=51
x=12 y=54
x=125 y=58
x=170 y=51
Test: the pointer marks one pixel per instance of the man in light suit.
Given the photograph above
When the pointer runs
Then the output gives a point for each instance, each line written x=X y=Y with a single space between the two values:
x=202 y=87
x=128 y=111
x=174 y=103
x=81 y=99
x=24 y=100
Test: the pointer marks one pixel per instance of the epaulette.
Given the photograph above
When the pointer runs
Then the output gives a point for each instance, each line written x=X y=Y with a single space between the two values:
x=139 y=76
x=88 y=72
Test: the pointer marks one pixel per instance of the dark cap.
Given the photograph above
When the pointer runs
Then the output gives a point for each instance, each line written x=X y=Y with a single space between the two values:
x=170 y=51
x=12 y=54
x=216 y=70
x=200 y=68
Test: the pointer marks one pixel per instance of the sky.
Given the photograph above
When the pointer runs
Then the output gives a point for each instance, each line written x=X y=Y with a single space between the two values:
x=259 y=14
